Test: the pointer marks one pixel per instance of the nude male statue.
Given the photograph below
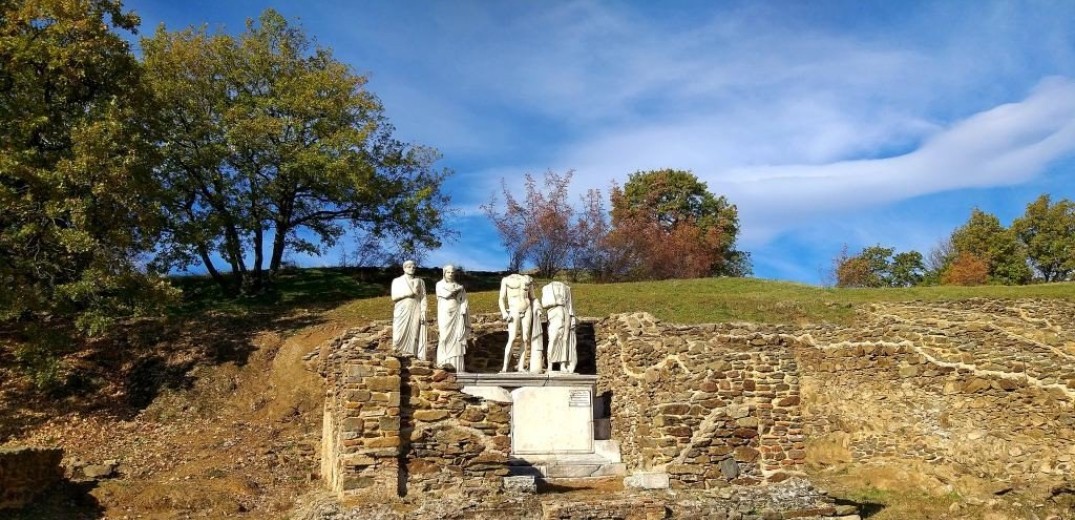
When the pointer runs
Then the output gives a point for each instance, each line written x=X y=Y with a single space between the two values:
x=521 y=309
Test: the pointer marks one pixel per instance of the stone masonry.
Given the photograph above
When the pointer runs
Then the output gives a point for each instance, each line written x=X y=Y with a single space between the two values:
x=986 y=387
x=705 y=405
x=395 y=425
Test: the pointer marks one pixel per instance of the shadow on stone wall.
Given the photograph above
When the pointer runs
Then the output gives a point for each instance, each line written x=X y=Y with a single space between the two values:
x=486 y=354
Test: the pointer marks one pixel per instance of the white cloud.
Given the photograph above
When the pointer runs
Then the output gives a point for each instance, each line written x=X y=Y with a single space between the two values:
x=1005 y=145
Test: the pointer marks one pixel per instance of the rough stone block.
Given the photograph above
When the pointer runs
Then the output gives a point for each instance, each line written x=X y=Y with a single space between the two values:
x=646 y=481
x=383 y=383
x=430 y=415
x=522 y=484
x=389 y=424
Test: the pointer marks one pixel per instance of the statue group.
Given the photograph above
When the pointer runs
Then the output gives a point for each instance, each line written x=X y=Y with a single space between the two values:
x=519 y=306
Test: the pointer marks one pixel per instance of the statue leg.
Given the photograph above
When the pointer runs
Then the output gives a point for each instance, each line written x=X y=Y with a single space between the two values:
x=526 y=333
x=512 y=328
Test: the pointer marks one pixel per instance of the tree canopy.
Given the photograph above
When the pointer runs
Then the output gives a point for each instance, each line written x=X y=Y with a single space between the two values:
x=985 y=238
x=878 y=266
x=79 y=203
x=270 y=144
x=543 y=227
x=1048 y=231
x=674 y=227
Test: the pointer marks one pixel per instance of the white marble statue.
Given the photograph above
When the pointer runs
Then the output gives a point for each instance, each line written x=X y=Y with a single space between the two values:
x=556 y=301
x=453 y=321
x=522 y=310
x=409 y=314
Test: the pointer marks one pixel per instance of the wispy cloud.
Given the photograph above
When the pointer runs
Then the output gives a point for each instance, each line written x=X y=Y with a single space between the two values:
x=811 y=118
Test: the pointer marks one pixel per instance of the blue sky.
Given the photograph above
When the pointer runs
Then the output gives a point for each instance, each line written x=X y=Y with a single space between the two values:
x=857 y=122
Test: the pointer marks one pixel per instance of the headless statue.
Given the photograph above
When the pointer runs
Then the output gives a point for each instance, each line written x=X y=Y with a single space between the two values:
x=522 y=310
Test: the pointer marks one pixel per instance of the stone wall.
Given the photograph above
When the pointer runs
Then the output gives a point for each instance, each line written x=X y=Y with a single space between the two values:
x=26 y=472
x=708 y=404
x=984 y=387
x=394 y=425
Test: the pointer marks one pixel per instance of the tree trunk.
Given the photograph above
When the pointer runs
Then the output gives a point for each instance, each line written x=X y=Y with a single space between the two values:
x=259 y=257
x=277 y=249
x=228 y=289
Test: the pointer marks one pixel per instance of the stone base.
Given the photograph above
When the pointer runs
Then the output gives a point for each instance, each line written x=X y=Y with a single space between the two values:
x=567 y=466
x=552 y=424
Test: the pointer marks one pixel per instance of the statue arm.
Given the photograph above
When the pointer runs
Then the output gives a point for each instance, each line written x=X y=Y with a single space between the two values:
x=422 y=298
x=535 y=301
x=503 y=301
x=401 y=290
x=443 y=291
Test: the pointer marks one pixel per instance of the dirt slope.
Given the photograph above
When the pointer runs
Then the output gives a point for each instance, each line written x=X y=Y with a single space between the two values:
x=241 y=439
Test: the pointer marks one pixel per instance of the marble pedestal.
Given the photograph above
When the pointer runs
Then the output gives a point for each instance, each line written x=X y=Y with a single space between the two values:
x=552 y=423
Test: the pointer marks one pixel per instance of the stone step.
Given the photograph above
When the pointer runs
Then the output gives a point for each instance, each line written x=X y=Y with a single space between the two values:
x=570 y=470
x=570 y=465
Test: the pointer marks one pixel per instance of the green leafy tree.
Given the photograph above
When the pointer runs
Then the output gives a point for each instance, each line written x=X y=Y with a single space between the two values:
x=272 y=145
x=1048 y=232
x=876 y=266
x=986 y=239
x=675 y=204
x=77 y=196
x=907 y=269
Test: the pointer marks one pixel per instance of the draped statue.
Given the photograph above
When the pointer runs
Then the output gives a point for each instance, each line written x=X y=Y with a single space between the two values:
x=556 y=301
x=453 y=321
x=409 y=313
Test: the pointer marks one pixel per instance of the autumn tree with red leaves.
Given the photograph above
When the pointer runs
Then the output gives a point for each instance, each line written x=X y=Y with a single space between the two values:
x=966 y=269
x=666 y=224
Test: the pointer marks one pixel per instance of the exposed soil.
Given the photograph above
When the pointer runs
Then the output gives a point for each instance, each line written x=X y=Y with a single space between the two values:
x=197 y=429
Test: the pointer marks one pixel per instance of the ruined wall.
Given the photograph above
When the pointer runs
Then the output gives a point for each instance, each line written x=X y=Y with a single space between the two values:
x=26 y=472
x=394 y=425
x=983 y=386
x=707 y=404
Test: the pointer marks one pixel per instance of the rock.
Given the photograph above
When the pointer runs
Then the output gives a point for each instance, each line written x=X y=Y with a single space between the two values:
x=846 y=509
x=430 y=415
x=100 y=471
x=520 y=485
x=646 y=481
x=728 y=468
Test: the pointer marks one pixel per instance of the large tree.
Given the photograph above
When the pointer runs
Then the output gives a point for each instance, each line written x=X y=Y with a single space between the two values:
x=1048 y=232
x=984 y=237
x=77 y=196
x=271 y=145
x=676 y=227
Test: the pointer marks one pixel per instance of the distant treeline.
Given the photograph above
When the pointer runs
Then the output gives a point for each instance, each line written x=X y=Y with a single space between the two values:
x=1039 y=246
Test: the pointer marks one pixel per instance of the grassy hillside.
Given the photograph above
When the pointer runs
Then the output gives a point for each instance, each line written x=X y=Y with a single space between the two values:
x=212 y=410
x=356 y=295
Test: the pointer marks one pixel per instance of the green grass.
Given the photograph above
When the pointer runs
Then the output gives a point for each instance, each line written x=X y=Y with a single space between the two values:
x=726 y=299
